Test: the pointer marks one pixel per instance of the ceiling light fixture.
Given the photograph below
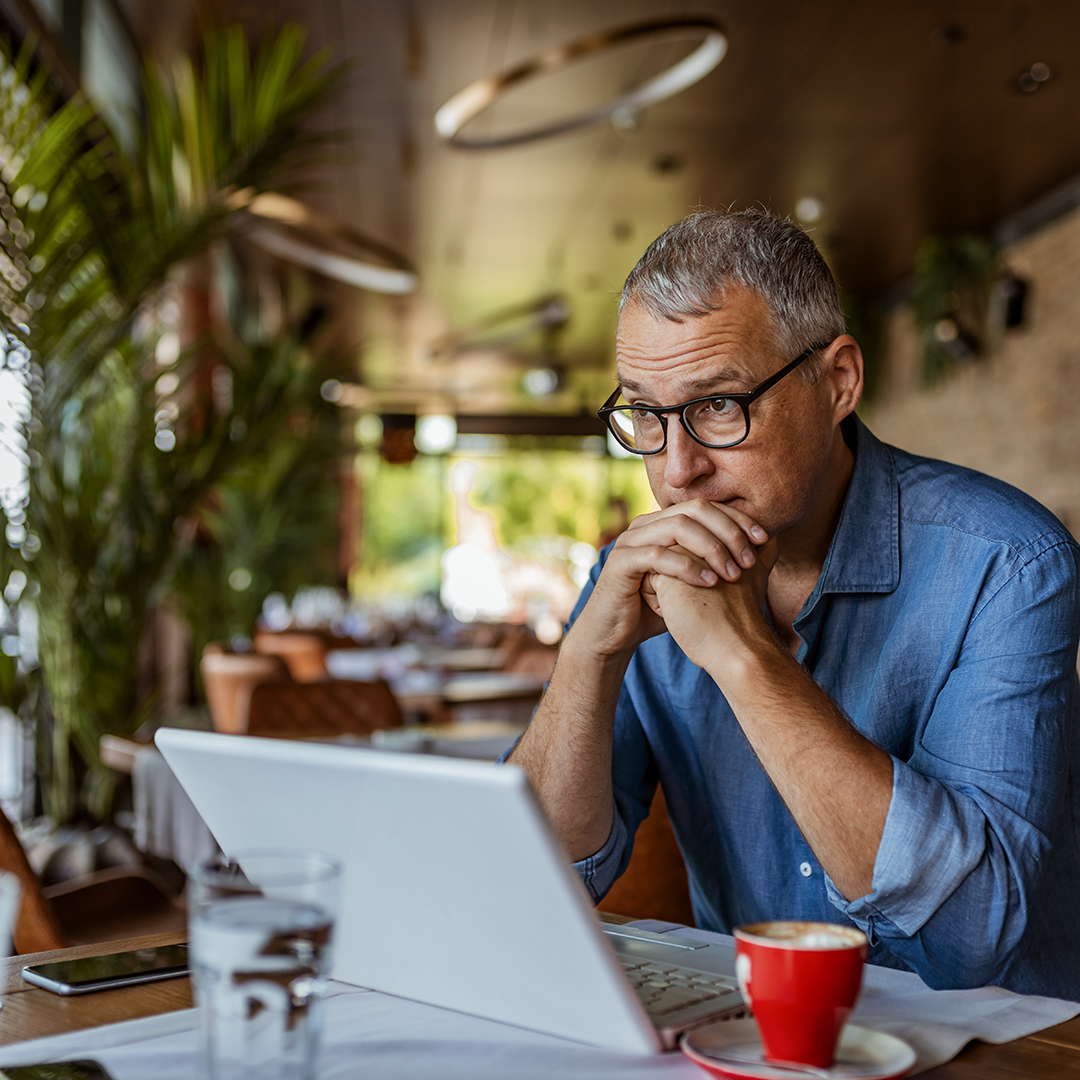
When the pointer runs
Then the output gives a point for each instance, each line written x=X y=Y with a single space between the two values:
x=540 y=382
x=809 y=209
x=436 y=433
x=1037 y=76
x=308 y=238
x=477 y=96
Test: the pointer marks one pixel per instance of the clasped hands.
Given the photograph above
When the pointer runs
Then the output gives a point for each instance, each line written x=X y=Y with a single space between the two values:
x=697 y=569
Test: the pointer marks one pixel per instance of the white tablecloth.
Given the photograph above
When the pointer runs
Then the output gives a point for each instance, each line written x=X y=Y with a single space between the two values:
x=166 y=821
x=378 y=1037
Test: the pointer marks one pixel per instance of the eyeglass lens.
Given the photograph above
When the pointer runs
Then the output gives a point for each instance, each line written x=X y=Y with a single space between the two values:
x=717 y=421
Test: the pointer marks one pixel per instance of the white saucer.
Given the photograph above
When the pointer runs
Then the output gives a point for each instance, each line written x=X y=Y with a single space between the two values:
x=732 y=1048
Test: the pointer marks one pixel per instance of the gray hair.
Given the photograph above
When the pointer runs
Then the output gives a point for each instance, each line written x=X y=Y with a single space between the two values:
x=686 y=269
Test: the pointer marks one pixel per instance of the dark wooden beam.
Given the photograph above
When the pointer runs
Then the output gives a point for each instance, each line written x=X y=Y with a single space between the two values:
x=531 y=424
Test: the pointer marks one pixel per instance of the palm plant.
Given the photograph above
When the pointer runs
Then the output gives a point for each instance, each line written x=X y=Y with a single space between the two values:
x=123 y=446
x=271 y=524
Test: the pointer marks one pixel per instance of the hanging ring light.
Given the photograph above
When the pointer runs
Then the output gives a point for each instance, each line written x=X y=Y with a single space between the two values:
x=289 y=229
x=470 y=102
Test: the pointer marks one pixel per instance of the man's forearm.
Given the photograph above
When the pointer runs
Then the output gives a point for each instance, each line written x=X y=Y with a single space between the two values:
x=566 y=750
x=567 y=747
x=836 y=783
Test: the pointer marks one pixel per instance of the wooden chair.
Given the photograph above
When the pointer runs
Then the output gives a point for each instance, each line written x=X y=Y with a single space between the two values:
x=229 y=678
x=654 y=885
x=35 y=928
x=330 y=707
x=120 y=902
x=103 y=906
x=304 y=654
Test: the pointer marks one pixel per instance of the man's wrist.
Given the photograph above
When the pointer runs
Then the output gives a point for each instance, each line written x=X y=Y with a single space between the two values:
x=741 y=662
x=590 y=640
x=585 y=648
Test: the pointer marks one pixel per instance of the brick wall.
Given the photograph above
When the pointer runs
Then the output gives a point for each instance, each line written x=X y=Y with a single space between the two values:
x=1014 y=413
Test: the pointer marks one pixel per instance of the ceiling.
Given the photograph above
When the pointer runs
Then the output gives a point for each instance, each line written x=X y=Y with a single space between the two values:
x=903 y=119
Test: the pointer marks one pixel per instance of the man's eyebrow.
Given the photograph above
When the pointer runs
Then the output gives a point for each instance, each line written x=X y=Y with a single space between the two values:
x=693 y=386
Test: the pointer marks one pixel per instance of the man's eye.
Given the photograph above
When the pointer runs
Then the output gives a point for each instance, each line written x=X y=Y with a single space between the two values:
x=719 y=405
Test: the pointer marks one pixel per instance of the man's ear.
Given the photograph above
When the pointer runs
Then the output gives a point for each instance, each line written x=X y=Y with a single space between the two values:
x=842 y=366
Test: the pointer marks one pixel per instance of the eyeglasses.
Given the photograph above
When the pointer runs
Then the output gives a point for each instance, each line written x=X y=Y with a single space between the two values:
x=716 y=422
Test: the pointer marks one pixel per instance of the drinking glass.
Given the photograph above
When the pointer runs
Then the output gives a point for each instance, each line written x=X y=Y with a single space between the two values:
x=260 y=930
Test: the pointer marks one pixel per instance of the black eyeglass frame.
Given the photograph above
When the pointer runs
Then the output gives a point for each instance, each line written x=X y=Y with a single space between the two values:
x=744 y=401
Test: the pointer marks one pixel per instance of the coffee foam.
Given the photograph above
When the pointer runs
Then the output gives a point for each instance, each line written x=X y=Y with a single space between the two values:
x=806 y=935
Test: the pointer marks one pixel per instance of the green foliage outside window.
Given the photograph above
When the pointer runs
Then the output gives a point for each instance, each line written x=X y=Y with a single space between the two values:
x=409 y=511
x=556 y=493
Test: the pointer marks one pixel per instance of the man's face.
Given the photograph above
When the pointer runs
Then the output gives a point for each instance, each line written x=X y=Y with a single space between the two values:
x=780 y=474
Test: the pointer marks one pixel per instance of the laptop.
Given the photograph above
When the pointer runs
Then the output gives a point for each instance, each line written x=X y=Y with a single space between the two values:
x=456 y=891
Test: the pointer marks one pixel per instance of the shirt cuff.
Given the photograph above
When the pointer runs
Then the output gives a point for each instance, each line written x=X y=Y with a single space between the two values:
x=925 y=852
x=599 y=871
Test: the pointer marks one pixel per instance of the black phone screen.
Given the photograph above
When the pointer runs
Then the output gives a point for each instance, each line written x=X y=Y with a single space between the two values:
x=95 y=969
x=59 y=1070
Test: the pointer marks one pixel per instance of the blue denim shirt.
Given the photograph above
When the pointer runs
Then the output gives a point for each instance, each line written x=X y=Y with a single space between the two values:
x=944 y=625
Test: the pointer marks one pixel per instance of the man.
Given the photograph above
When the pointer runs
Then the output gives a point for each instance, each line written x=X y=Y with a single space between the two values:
x=852 y=670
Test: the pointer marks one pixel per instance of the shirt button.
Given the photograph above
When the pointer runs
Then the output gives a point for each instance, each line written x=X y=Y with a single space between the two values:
x=805 y=869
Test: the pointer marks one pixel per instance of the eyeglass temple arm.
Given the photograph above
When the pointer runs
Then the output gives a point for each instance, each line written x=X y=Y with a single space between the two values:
x=769 y=383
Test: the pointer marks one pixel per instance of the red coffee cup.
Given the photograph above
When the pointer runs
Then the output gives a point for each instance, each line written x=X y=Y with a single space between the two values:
x=801 y=980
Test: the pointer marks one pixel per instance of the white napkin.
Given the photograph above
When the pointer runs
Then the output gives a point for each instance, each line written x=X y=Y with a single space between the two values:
x=937 y=1024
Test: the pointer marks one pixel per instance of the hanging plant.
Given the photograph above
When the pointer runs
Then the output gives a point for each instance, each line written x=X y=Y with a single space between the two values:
x=951 y=300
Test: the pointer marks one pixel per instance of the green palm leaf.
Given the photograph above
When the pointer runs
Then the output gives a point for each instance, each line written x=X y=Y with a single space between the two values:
x=92 y=236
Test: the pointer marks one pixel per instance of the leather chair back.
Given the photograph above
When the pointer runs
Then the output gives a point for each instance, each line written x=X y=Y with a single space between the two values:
x=654 y=885
x=330 y=707
x=35 y=927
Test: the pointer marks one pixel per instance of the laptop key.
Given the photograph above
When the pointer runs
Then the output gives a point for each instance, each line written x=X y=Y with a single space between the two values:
x=669 y=1003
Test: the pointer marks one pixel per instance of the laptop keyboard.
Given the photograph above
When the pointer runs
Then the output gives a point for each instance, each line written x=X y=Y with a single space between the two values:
x=664 y=989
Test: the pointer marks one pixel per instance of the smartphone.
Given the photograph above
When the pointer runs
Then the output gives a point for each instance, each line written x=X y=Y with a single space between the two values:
x=59 y=1070
x=105 y=972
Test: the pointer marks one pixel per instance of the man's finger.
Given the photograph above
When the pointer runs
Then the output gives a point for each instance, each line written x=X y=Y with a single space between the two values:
x=721 y=544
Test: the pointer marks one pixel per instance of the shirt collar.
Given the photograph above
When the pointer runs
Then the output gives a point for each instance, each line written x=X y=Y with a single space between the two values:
x=864 y=556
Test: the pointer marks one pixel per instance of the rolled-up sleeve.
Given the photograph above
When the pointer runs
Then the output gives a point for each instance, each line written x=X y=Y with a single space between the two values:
x=633 y=788
x=975 y=806
x=599 y=871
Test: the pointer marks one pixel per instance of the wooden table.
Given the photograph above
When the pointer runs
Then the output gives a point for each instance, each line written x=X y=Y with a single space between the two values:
x=30 y=1013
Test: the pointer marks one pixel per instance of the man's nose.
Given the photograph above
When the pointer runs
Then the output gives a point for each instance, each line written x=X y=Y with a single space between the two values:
x=685 y=459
